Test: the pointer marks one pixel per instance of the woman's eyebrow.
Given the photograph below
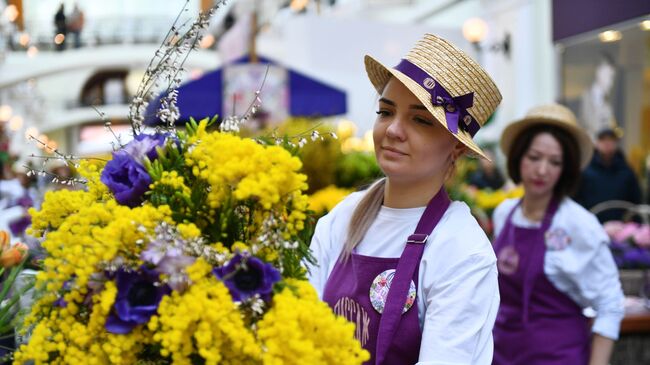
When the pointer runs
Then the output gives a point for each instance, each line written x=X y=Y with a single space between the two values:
x=387 y=101
x=533 y=149
x=418 y=107
x=412 y=106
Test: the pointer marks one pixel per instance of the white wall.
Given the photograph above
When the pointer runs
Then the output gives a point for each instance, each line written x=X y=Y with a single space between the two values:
x=529 y=76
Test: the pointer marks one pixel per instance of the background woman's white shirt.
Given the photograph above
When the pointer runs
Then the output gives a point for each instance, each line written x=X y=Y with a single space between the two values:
x=457 y=290
x=584 y=269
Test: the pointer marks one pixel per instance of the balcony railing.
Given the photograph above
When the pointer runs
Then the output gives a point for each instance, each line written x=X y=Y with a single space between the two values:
x=98 y=31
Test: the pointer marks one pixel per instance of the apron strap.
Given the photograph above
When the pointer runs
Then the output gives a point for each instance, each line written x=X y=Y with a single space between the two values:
x=532 y=270
x=408 y=263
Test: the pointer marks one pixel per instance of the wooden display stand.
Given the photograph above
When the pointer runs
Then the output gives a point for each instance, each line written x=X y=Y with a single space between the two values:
x=636 y=322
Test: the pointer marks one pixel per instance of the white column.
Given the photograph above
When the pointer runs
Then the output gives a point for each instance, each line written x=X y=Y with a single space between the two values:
x=529 y=76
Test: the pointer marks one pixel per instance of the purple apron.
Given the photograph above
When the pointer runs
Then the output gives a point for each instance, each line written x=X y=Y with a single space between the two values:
x=393 y=336
x=536 y=324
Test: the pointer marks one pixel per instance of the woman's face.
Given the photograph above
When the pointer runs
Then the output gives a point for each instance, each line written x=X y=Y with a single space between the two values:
x=541 y=165
x=410 y=144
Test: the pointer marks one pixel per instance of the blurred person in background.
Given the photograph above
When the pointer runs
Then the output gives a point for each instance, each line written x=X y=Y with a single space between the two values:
x=608 y=177
x=76 y=24
x=11 y=184
x=17 y=194
x=552 y=254
x=60 y=27
x=487 y=175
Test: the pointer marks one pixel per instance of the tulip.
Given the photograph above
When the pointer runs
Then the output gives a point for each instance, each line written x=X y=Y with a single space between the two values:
x=4 y=240
x=13 y=255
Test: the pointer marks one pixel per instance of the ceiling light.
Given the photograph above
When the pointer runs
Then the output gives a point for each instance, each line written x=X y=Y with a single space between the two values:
x=610 y=36
x=645 y=25
x=475 y=29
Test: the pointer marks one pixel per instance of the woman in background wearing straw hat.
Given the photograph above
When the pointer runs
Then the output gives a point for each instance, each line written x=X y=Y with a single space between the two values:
x=552 y=254
x=403 y=232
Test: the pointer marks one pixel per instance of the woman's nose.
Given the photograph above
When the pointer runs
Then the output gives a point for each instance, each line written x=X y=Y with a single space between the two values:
x=396 y=129
x=542 y=168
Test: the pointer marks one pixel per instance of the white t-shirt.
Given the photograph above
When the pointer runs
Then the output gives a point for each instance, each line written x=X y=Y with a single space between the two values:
x=578 y=261
x=458 y=290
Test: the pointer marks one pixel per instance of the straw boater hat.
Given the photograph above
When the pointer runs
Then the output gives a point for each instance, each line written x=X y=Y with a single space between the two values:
x=555 y=115
x=452 y=86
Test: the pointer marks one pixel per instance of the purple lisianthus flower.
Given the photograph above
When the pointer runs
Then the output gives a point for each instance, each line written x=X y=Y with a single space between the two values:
x=138 y=295
x=618 y=250
x=157 y=251
x=247 y=276
x=25 y=201
x=174 y=267
x=127 y=179
x=18 y=226
x=166 y=253
x=145 y=145
x=637 y=257
x=61 y=302
x=169 y=259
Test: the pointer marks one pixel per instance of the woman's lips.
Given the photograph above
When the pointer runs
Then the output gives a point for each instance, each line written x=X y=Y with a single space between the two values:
x=539 y=183
x=393 y=150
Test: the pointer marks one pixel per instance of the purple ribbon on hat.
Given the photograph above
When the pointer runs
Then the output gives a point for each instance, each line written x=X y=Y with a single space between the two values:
x=455 y=106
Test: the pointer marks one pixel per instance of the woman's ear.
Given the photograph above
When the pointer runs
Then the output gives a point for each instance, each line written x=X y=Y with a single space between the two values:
x=459 y=150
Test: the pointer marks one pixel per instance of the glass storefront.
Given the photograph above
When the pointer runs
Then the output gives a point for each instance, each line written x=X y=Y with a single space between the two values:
x=605 y=80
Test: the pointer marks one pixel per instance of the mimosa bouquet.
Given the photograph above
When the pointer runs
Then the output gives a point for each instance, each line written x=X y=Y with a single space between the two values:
x=187 y=247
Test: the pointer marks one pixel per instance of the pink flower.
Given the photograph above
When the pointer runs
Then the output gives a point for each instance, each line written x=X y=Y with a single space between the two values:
x=627 y=232
x=613 y=228
x=642 y=236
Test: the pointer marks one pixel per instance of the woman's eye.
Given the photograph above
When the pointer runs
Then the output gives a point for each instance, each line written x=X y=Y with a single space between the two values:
x=382 y=113
x=532 y=157
x=556 y=163
x=423 y=121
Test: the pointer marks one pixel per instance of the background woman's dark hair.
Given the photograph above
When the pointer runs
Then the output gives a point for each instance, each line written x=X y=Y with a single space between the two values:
x=569 y=179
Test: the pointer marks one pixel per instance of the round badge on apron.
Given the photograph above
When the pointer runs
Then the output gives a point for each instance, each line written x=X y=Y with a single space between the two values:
x=557 y=239
x=379 y=291
x=508 y=260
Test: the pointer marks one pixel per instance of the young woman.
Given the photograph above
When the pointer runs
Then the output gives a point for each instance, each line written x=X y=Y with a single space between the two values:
x=552 y=254
x=403 y=233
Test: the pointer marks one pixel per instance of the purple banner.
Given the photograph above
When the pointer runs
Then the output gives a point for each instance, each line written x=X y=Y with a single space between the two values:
x=573 y=17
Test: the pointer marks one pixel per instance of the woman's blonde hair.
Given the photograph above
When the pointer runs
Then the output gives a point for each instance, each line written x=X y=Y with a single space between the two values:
x=363 y=216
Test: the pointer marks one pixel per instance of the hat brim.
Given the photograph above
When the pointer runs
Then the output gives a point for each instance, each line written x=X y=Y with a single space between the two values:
x=379 y=76
x=512 y=131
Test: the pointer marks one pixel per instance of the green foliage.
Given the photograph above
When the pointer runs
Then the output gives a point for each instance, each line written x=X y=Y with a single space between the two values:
x=9 y=297
x=356 y=168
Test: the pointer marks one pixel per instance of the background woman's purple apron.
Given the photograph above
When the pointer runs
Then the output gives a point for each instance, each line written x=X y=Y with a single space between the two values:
x=536 y=323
